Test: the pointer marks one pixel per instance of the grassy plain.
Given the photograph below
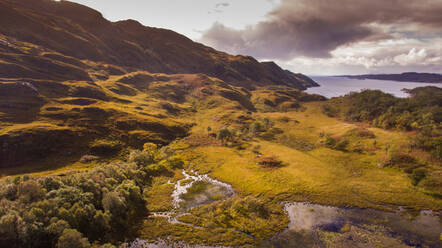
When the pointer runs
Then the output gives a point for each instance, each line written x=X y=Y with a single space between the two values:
x=322 y=175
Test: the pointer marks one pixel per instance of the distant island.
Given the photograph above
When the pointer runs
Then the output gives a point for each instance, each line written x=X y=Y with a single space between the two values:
x=403 y=77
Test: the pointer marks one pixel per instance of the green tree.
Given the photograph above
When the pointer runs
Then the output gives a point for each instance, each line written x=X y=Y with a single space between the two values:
x=30 y=191
x=9 y=228
x=113 y=203
x=71 y=238
x=141 y=158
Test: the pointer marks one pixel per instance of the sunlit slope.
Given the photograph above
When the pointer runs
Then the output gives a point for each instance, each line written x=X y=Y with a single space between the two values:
x=48 y=39
x=311 y=171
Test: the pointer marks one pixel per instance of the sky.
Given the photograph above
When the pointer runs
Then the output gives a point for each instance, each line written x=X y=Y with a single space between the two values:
x=315 y=37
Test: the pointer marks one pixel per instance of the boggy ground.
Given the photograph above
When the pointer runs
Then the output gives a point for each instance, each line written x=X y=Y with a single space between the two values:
x=309 y=171
x=271 y=144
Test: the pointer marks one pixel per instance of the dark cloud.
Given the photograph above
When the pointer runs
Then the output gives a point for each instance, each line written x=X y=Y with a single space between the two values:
x=218 y=5
x=314 y=28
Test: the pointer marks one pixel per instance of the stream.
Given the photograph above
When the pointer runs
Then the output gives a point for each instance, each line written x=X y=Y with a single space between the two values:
x=311 y=225
x=181 y=206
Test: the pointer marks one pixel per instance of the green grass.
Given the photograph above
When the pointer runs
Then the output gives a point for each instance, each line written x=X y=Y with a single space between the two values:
x=136 y=112
x=322 y=175
x=158 y=195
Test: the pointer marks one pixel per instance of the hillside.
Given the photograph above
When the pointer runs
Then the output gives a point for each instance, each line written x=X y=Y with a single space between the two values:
x=120 y=135
x=68 y=73
x=60 y=35
x=403 y=77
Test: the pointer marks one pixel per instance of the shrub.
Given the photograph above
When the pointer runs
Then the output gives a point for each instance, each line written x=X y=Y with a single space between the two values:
x=174 y=163
x=417 y=175
x=270 y=162
x=255 y=127
x=292 y=141
x=224 y=134
x=336 y=143
x=150 y=147
x=271 y=133
x=329 y=110
x=30 y=191
x=399 y=158
x=105 y=147
x=361 y=132
x=141 y=158
x=71 y=238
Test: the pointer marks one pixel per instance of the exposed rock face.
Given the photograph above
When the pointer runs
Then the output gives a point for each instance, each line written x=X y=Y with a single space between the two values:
x=67 y=33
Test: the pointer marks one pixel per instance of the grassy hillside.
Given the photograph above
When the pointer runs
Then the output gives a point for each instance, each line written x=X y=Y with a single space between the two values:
x=60 y=36
x=305 y=165
x=98 y=121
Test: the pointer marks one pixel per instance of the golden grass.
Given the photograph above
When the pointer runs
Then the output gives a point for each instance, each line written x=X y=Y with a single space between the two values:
x=323 y=175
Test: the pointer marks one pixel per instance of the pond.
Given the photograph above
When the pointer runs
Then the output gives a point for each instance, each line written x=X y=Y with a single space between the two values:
x=322 y=226
x=192 y=191
x=311 y=225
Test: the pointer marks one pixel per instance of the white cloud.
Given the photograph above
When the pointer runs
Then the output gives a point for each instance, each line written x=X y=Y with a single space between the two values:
x=385 y=56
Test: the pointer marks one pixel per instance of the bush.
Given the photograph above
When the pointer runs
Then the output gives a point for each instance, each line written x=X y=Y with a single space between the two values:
x=417 y=175
x=174 y=163
x=30 y=191
x=329 y=110
x=292 y=141
x=271 y=133
x=270 y=162
x=255 y=128
x=336 y=143
x=224 y=134
x=104 y=147
x=361 y=133
x=141 y=158
x=71 y=238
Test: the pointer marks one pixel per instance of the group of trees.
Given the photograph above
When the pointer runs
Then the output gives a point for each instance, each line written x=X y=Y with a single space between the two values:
x=421 y=112
x=262 y=128
x=94 y=208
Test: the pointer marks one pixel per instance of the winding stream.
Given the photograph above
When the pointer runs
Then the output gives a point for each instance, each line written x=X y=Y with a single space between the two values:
x=181 y=206
x=348 y=227
x=184 y=184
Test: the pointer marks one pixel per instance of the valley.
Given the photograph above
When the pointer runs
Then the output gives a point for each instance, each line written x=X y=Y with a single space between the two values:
x=114 y=134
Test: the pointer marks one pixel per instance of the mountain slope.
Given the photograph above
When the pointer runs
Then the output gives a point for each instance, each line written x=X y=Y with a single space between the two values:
x=82 y=33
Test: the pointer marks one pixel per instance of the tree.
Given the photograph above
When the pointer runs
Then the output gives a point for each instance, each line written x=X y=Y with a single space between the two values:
x=30 y=191
x=8 y=228
x=224 y=134
x=71 y=238
x=113 y=203
x=141 y=158
x=57 y=227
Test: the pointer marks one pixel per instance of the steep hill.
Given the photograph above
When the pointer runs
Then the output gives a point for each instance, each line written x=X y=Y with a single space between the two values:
x=63 y=34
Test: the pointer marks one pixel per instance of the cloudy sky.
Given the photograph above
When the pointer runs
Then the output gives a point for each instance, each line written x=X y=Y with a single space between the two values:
x=316 y=37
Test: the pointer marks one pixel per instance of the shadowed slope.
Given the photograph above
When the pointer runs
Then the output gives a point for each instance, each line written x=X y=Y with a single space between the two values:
x=80 y=32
